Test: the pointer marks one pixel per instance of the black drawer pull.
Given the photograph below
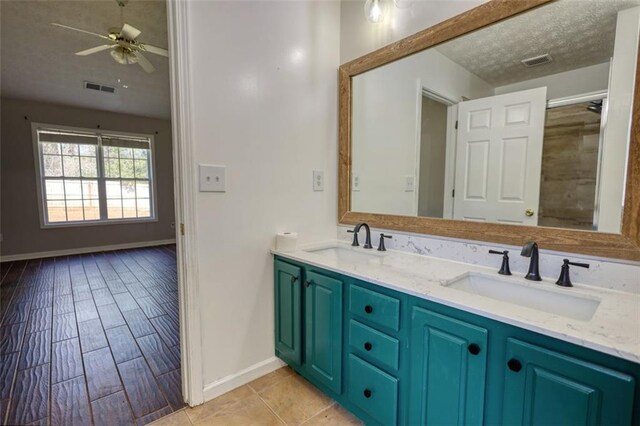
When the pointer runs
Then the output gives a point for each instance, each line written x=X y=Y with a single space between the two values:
x=474 y=349
x=368 y=346
x=367 y=393
x=514 y=365
x=368 y=309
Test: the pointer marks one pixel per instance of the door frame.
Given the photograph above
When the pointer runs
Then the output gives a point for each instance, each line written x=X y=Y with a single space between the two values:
x=184 y=186
x=451 y=141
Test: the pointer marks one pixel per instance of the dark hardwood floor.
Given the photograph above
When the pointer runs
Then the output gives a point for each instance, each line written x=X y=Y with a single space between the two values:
x=90 y=339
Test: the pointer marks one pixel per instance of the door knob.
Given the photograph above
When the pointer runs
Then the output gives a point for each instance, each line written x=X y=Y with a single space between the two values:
x=528 y=212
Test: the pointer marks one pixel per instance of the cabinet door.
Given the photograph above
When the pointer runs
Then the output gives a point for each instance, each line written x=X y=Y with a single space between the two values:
x=543 y=387
x=448 y=368
x=323 y=329
x=288 y=279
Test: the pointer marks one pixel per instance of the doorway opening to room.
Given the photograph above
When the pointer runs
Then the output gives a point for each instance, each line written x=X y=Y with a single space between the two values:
x=571 y=154
x=90 y=319
x=436 y=147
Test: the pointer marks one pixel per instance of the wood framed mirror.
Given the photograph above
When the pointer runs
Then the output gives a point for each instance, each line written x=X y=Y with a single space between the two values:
x=559 y=219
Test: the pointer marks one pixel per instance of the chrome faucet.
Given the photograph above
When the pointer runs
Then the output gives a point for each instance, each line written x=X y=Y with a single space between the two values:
x=530 y=249
x=356 y=229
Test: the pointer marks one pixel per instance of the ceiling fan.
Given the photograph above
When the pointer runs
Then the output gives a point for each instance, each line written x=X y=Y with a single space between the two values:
x=123 y=44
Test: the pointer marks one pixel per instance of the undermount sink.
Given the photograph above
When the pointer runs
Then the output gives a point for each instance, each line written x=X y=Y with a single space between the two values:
x=543 y=299
x=348 y=254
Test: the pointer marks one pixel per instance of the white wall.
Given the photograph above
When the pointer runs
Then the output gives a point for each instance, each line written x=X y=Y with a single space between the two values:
x=264 y=102
x=575 y=82
x=359 y=36
x=386 y=125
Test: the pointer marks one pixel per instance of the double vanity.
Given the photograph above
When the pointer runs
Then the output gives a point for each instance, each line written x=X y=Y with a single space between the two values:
x=400 y=338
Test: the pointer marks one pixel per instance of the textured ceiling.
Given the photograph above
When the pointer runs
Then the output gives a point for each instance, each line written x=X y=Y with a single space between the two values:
x=38 y=60
x=576 y=33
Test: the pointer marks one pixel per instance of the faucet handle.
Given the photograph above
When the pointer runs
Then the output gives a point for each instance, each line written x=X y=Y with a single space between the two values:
x=504 y=269
x=355 y=241
x=381 y=246
x=564 y=279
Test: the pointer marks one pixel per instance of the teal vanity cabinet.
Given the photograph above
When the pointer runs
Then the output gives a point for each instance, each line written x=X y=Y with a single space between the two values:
x=288 y=320
x=392 y=358
x=323 y=329
x=547 y=387
x=448 y=370
x=308 y=323
x=376 y=366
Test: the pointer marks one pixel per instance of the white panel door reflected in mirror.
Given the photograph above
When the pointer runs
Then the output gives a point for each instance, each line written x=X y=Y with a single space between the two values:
x=526 y=121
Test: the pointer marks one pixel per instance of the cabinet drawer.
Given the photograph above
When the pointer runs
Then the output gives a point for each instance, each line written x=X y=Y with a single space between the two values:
x=374 y=344
x=373 y=390
x=375 y=307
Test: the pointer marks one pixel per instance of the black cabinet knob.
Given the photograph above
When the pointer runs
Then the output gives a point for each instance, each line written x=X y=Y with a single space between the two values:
x=514 y=365
x=473 y=349
x=367 y=393
x=368 y=309
x=368 y=346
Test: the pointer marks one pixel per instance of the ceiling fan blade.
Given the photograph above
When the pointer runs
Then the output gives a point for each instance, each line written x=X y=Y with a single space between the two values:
x=96 y=49
x=129 y=32
x=144 y=62
x=79 y=30
x=155 y=50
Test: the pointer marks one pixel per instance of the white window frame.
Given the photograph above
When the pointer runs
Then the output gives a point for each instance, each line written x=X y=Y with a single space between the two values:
x=39 y=171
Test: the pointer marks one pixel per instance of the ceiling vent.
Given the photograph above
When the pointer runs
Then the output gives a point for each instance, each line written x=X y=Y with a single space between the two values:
x=99 y=87
x=537 y=60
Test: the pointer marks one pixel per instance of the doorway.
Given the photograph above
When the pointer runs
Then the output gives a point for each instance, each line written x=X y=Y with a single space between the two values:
x=570 y=157
x=93 y=328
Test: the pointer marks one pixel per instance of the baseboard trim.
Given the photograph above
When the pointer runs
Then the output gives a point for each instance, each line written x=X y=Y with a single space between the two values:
x=83 y=250
x=229 y=383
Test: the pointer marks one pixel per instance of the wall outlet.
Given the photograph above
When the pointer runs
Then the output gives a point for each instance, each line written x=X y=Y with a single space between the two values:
x=355 y=181
x=318 y=180
x=213 y=178
x=409 y=183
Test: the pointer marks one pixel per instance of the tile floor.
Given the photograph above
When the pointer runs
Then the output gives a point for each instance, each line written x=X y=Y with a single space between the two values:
x=279 y=398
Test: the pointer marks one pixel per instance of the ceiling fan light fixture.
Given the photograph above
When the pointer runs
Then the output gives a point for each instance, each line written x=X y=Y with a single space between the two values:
x=122 y=56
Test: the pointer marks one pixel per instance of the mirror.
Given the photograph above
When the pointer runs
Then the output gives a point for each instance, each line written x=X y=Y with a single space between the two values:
x=526 y=122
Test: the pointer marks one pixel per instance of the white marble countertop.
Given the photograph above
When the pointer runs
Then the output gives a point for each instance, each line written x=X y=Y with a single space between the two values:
x=614 y=328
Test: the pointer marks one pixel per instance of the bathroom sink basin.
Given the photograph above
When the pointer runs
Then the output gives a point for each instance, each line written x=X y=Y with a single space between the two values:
x=533 y=295
x=348 y=254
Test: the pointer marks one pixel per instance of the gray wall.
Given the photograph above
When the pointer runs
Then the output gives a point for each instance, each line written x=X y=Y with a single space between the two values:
x=19 y=220
x=433 y=147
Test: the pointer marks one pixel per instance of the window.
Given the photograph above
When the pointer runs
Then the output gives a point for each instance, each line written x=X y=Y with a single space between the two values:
x=90 y=177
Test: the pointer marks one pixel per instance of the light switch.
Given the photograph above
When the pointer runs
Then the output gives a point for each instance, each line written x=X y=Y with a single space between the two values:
x=213 y=178
x=410 y=183
x=355 y=181
x=318 y=180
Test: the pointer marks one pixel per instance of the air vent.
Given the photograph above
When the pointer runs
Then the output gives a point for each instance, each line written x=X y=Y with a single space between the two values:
x=99 y=87
x=537 y=60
